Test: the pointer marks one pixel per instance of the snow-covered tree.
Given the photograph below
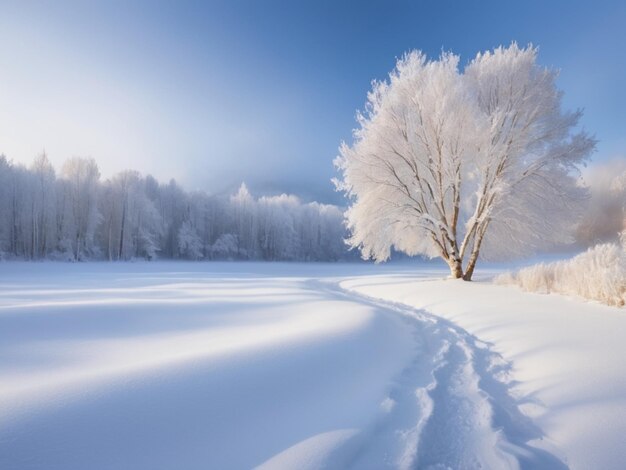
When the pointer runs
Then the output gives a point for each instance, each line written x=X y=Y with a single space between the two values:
x=458 y=164
x=131 y=225
x=225 y=247
x=605 y=214
x=172 y=206
x=277 y=227
x=6 y=175
x=15 y=191
x=189 y=243
x=43 y=208
x=244 y=212
x=82 y=176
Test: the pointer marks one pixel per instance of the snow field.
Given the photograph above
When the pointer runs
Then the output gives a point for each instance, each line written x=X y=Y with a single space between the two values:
x=170 y=366
x=296 y=366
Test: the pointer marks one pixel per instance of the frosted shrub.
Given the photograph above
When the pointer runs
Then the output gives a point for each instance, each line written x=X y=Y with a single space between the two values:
x=539 y=278
x=225 y=247
x=597 y=274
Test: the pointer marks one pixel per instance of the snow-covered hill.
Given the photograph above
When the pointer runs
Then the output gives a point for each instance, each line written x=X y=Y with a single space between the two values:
x=218 y=365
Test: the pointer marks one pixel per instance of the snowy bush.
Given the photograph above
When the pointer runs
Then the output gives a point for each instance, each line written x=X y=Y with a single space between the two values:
x=189 y=243
x=597 y=274
x=225 y=247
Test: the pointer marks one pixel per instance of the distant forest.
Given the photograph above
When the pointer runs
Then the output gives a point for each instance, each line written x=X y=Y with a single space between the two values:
x=75 y=215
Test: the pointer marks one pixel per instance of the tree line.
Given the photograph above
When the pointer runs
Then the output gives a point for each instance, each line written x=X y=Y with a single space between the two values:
x=75 y=215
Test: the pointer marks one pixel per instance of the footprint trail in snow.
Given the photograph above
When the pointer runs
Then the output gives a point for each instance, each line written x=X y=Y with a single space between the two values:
x=451 y=408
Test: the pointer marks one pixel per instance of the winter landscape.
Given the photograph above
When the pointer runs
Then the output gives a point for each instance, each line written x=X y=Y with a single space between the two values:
x=206 y=261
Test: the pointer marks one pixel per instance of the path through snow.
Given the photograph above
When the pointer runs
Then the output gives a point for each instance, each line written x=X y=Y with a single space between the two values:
x=462 y=416
x=566 y=357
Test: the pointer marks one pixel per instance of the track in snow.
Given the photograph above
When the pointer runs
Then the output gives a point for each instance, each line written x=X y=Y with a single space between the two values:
x=462 y=417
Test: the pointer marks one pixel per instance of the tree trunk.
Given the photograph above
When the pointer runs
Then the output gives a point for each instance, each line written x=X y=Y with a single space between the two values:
x=121 y=250
x=33 y=238
x=456 y=268
x=77 y=252
x=109 y=248
x=469 y=270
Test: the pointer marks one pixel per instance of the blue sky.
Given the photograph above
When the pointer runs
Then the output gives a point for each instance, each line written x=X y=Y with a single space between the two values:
x=215 y=93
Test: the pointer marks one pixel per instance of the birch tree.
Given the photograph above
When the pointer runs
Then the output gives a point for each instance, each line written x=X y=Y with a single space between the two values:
x=244 y=210
x=459 y=164
x=43 y=209
x=6 y=190
x=82 y=176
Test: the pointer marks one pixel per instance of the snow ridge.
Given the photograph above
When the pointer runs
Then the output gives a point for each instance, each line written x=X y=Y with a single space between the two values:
x=453 y=406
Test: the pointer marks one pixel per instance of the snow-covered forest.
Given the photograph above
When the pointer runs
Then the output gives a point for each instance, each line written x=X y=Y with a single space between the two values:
x=75 y=215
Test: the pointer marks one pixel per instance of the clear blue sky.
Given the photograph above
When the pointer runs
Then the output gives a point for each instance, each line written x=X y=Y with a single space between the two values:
x=213 y=93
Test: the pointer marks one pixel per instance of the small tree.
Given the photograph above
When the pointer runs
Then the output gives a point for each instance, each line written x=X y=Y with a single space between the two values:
x=189 y=243
x=458 y=165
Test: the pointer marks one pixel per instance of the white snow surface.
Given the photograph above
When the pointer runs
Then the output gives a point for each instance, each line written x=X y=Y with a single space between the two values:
x=301 y=366
x=563 y=360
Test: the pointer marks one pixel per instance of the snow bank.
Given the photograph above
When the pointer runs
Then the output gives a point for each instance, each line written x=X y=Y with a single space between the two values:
x=597 y=274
